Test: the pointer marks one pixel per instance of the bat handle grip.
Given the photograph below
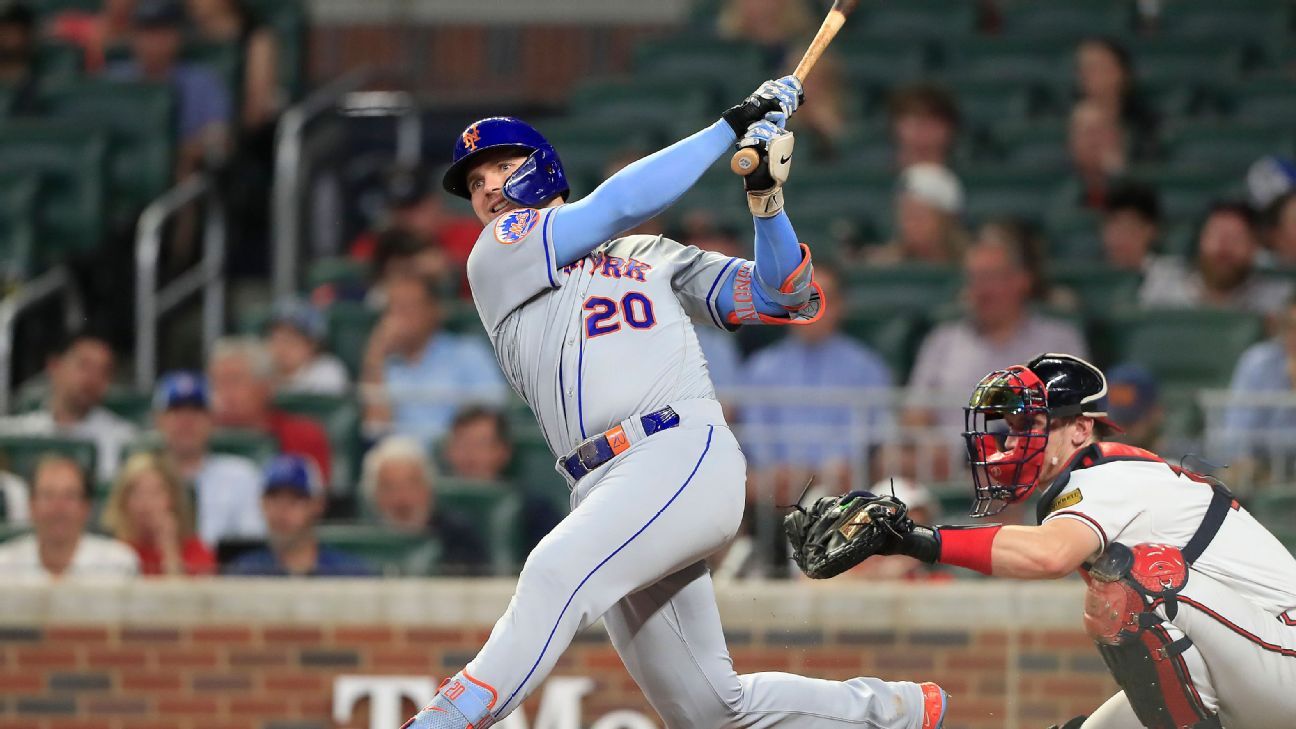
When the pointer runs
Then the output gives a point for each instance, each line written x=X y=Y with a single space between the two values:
x=744 y=162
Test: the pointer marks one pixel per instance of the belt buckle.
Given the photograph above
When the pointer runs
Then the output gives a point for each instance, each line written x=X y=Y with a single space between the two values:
x=587 y=452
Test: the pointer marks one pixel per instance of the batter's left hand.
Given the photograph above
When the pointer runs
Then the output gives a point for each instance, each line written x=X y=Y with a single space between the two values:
x=773 y=101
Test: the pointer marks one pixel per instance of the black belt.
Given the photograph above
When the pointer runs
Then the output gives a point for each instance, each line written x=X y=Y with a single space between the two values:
x=599 y=449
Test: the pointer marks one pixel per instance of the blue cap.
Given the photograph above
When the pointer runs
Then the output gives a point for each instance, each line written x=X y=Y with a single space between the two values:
x=300 y=315
x=1131 y=392
x=292 y=473
x=181 y=390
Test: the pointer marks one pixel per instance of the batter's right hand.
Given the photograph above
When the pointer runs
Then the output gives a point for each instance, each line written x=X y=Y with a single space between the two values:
x=773 y=101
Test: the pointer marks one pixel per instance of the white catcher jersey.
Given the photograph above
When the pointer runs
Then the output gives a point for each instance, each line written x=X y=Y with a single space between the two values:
x=592 y=343
x=1140 y=501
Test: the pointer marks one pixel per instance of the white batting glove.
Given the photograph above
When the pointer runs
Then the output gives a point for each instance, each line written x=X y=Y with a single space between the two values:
x=788 y=92
x=765 y=183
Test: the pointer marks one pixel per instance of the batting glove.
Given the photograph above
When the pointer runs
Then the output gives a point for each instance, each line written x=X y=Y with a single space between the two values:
x=765 y=183
x=774 y=101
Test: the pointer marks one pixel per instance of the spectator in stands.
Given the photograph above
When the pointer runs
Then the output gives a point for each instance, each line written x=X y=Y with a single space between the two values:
x=772 y=24
x=240 y=373
x=810 y=430
x=479 y=447
x=203 y=108
x=80 y=372
x=1131 y=223
x=1224 y=273
x=1096 y=141
x=227 y=487
x=149 y=508
x=399 y=486
x=1280 y=229
x=421 y=369
x=95 y=33
x=1105 y=77
x=924 y=125
x=15 y=501
x=18 y=56
x=1134 y=404
x=414 y=206
x=928 y=202
x=293 y=502
x=998 y=328
x=1019 y=235
x=1258 y=420
x=230 y=21
x=398 y=254
x=59 y=546
x=295 y=340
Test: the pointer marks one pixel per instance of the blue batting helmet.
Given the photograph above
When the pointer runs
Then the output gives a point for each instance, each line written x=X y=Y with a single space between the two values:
x=537 y=181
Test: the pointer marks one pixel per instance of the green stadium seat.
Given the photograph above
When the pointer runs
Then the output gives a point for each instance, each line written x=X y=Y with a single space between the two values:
x=1064 y=20
x=461 y=317
x=1265 y=101
x=883 y=61
x=644 y=101
x=916 y=18
x=1018 y=59
x=10 y=530
x=1072 y=234
x=695 y=59
x=533 y=463
x=391 y=553
x=18 y=197
x=497 y=508
x=349 y=325
x=1100 y=288
x=1008 y=193
x=987 y=102
x=1276 y=509
x=19 y=454
x=1185 y=347
x=1224 y=148
x=893 y=335
x=70 y=162
x=1033 y=145
x=909 y=287
x=130 y=404
x=1239 y=20
x=1186 y=195
x=57 y=63
x=1200 y=62
x=140 y=120
x=336 y=271
x=251 y=444
x=340 y=417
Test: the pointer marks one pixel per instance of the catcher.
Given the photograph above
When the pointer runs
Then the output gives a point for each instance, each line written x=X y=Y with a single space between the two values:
x=1192 y=602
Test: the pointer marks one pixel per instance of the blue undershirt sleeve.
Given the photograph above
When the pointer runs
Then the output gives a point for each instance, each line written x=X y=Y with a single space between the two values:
x=778 y=253
x=637 y=193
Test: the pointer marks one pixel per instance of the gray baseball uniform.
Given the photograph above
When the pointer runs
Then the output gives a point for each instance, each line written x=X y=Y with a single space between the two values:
x=591 y=346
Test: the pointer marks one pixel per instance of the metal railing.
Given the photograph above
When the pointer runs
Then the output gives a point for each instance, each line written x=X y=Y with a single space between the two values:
x=291 y=176
x=151 y=303
x=56 y=281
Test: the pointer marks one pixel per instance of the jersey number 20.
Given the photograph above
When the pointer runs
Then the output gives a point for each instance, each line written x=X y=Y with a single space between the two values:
x=604 y=315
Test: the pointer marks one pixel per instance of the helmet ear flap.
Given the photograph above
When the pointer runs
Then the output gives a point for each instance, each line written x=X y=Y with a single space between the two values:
x=537 y=180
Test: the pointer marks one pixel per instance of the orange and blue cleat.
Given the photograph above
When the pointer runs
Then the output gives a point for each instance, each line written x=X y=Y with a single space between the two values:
x=935 y=701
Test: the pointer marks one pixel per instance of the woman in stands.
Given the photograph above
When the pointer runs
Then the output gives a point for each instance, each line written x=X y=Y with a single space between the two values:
x=150 y=509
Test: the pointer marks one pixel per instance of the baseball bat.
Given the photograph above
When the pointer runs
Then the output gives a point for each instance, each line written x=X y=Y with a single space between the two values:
x=744 y=161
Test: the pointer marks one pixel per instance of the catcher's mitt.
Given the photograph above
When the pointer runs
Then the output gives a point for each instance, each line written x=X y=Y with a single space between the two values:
x=838 y=532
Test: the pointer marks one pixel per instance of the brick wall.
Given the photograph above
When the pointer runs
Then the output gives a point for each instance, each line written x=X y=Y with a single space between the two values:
x=199 y=669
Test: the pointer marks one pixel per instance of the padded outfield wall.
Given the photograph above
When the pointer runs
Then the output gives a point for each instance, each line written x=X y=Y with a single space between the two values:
x=262 y=654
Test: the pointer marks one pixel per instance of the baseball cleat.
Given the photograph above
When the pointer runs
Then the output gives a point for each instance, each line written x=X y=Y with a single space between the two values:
x=935 y=701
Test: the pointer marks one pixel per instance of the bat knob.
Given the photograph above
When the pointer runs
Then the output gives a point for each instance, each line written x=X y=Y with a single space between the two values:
x=744 y=162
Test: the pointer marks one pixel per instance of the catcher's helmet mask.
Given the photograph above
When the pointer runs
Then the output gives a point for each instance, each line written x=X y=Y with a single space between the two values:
x=1005 y=436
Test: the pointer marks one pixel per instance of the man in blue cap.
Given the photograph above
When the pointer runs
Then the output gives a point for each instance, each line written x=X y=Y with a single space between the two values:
x=227 y=488
x=293 y=502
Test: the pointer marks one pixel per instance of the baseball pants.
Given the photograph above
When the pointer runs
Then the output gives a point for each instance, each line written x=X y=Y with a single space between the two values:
x=1242 y=661
x=632 y=552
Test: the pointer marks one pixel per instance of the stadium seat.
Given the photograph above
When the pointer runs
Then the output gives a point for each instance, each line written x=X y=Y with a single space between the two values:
x=1172 y=60
x=1224 y=148
x=641 y=101
x=140 y=120
x=340 y=417
x=1072 y=234
x=1020 y=59
x=1276 y=509
x=345 y=272
x=910 y=287
x=19 y=454
x=1264 y=101
x=1245 y=21
x=130 y=404
x=18 y=227
x=916 y=18
x=497 y=508
x=251 y=444
x=1064 y=20
x=70 y=162
x=892 y=335
x=533 y=463
x=1099 y=288
x=1011 y=193
x=461 y=317
x=57 y=63
x=1185 y=347
x=1185 y=195
x=349 y=325
x=389 y=552
x=883 y=61
x=986 y=102
x=1032 y=145
x=692 y=58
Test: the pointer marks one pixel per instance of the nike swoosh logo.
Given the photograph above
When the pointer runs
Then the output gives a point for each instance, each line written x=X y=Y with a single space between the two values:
x=784 y=160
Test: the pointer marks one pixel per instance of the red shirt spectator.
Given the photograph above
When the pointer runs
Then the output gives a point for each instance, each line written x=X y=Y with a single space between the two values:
x=150 y=509
x=302 y=437
x=195 y=558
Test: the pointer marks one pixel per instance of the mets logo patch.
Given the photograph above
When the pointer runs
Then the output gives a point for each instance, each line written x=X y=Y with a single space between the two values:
x=1066 y=500
x=513 y=226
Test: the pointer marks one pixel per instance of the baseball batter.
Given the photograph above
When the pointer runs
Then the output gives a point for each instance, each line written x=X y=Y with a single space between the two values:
x=595 y=332
x=1191 y=601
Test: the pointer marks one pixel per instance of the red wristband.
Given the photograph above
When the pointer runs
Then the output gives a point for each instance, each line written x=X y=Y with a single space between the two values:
x=968 y=546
